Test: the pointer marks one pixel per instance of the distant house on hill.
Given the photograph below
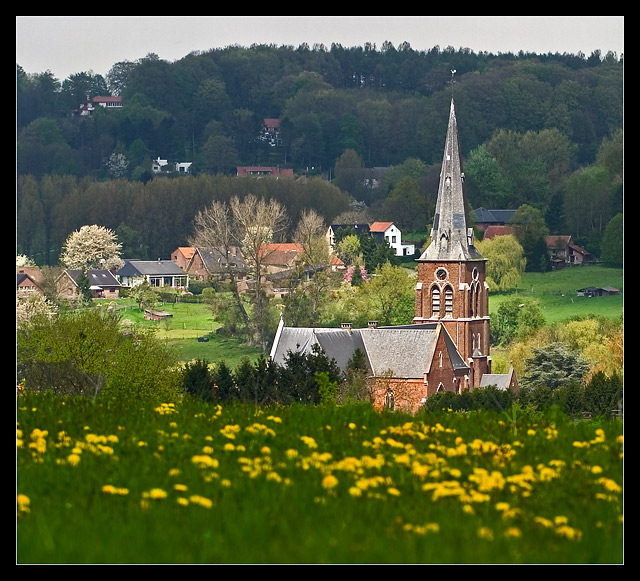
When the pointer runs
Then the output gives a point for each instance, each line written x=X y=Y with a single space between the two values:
x=563 y=252
x=88 y=107
x=493 y=231
x=388 y=231
x=264 y=171
x=486 y=218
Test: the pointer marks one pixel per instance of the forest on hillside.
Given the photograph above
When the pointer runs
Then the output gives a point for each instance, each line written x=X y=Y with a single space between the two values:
x=544 y=130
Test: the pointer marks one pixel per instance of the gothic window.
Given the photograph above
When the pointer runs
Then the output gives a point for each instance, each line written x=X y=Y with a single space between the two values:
x=435 y=301
x=448 y=301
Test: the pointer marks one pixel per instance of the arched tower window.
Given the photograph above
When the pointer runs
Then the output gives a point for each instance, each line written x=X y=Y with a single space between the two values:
x=435 y=301
x=448 y=301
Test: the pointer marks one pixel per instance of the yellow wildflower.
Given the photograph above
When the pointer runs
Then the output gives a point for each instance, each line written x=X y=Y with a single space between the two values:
x=329 y=481
x=201 y=500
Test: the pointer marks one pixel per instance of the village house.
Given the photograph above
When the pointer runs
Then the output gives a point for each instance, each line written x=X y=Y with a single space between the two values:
x=26 y=283
x=262 y=171
x=102 y=284
x=446 y=347
x=393 y=235
x=158 y=273
x=486 y=218
x=563 y=252
x=88 y=107
x=210 y=263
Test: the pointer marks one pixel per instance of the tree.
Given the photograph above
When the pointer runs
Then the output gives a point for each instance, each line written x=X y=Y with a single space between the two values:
x=505 y=261
x=92 y=247
x=613 y=241
x=530 y=230
x=214 y=227
x=515 y=319
x=251 y=224
x=389 y=296
x=86 y=353
x=552 y=366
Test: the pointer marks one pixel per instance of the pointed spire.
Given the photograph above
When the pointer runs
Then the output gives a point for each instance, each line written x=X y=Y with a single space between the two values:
x=450 y=237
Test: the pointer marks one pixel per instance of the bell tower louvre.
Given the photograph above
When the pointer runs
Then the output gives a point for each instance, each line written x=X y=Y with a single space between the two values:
x=451 y=287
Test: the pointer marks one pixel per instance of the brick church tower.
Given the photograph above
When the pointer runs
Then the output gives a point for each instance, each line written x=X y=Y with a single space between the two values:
x=451 y=286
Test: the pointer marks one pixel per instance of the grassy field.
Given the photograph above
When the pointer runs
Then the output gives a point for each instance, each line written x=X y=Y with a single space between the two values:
x=188 y=322
x=199 y=483
x=556 y=292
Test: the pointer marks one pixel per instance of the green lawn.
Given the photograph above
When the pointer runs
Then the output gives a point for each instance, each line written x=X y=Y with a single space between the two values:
x=556 y=292
x=189 y=322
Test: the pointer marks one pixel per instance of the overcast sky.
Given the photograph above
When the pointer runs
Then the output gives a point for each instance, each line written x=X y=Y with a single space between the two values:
x=66 y=45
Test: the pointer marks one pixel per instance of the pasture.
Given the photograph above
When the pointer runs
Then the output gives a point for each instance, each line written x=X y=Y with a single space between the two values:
x=200 y=483
x=556 y=292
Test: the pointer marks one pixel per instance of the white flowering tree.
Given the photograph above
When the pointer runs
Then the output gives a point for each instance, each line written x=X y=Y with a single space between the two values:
x=92 y=247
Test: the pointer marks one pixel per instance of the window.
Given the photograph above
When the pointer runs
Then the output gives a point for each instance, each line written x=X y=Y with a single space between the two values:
x=448 y=301
x=435 y=301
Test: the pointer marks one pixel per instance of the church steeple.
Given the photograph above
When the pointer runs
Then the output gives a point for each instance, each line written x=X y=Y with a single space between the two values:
x=450 y=237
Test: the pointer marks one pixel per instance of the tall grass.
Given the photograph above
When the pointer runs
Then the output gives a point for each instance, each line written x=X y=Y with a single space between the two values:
x=199 y=483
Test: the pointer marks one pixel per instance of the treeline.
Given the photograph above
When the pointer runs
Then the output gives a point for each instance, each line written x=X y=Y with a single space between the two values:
x=150 y=219
x=387 y=104
x=545 y=130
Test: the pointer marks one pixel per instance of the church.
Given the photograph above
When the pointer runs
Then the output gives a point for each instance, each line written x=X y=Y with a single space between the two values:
x=446 y=347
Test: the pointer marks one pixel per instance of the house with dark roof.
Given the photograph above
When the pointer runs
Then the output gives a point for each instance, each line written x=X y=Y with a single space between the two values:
x=264 y=171
x=486 y=218
x=102 y=283
x=216 y=264
x=158 y=273
x=27 y=284
x=564 y=252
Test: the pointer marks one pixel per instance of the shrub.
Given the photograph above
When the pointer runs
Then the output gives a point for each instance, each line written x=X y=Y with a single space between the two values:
x=88 y=353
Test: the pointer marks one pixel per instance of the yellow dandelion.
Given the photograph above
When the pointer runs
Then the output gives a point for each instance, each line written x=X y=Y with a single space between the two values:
x=393 y=491
x=180 y=487
x=355 y=491
x=157 y=494
x=23 y=502
x=182 y=501
x=485 y=533
x=329 y=481
x=201 y=500
x=73 y=459
x=512 y=532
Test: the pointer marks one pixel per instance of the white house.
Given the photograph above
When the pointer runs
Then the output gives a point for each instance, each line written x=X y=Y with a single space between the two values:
x=391 y=233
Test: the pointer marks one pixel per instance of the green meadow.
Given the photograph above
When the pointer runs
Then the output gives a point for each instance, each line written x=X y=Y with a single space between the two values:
x=198 y=483
x=556 y=292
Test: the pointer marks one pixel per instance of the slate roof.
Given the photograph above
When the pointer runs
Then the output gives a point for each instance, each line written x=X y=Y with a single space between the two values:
x=150 y=267
x=214 y=260
x=399 y=351
x=499 y=217
x=97 y=278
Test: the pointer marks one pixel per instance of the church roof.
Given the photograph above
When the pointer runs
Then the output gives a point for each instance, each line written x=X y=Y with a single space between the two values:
x=450 y=237
x=399 y=351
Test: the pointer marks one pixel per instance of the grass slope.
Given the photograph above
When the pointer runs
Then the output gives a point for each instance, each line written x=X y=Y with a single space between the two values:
x=556 y=292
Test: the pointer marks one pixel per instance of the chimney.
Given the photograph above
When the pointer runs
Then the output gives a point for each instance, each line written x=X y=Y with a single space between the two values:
x=372 y=324
x=346 y=327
